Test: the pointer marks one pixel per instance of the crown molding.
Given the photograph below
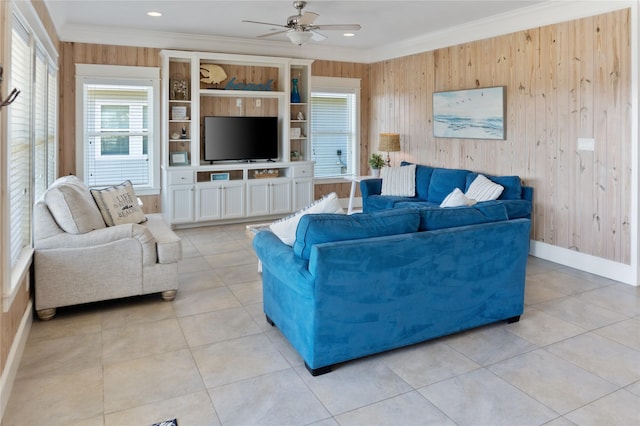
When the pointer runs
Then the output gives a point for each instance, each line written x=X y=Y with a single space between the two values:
x=550 y=12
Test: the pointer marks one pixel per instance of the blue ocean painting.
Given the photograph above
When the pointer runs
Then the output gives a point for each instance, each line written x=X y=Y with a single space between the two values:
x=469 y=114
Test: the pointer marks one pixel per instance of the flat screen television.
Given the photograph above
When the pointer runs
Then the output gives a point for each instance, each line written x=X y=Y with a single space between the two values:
x=240 y=138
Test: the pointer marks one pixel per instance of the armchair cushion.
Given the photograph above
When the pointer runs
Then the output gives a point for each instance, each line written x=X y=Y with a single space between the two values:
x=72 y=206
x=118 y=204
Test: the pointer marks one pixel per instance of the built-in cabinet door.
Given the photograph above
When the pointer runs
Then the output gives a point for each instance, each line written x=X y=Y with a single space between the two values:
x=232 y=199
x=302 y=193
x=258 y=197
x=280 y=196
x=208 y=203
x=182 y=203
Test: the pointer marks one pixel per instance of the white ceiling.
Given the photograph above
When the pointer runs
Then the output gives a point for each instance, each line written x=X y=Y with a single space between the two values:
x=382 y=21
x=387 y=25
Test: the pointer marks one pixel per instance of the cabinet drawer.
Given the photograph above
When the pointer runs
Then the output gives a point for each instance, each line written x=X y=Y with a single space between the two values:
x=303 y=171
x=182 y=177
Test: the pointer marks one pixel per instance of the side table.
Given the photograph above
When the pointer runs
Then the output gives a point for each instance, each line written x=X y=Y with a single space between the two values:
x=354 y=181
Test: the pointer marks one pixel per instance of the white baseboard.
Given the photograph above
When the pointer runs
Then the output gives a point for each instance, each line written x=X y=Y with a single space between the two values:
x=13 y=360
x=585 y=262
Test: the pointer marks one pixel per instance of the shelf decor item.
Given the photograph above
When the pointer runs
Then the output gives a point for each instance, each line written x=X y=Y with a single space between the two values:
x=179 y=88
x=266 y=173
x=178 y=112
x=295 y=92
x=179 y=158
x=219 y=176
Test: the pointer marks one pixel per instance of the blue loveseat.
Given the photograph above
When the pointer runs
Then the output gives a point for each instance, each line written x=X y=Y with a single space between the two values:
x=433 y=184
x=356 y=285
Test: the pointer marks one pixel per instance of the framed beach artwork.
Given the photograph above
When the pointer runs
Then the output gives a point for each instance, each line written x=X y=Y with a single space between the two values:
x=470 y=114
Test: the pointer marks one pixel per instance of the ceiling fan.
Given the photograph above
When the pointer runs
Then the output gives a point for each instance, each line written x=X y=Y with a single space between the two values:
x=300 y=28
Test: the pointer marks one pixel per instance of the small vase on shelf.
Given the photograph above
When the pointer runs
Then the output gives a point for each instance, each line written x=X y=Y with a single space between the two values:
x=295 y=93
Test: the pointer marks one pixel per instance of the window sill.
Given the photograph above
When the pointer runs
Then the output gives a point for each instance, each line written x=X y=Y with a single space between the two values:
x=146 y=191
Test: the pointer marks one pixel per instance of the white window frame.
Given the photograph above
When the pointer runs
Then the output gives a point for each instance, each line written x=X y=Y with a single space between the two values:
x=40 y=44
x=346 y=86
x=121 y=75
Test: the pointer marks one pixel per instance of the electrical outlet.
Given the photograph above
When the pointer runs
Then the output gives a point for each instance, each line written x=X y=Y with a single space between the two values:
x=258 y=103
x=238 y=102
x=339 y=152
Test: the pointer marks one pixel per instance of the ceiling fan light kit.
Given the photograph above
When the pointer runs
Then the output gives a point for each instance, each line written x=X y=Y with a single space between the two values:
x=300 y=28
x=299 y=37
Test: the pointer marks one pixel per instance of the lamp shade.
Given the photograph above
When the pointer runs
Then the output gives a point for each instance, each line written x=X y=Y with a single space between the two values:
x=389 y=142
x=299 y=37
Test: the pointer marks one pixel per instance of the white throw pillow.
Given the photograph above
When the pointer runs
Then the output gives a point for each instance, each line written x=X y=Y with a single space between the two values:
x=285 y=228
x=118 y=204
x=456 y=199
x=483 y=189
x=399 y=181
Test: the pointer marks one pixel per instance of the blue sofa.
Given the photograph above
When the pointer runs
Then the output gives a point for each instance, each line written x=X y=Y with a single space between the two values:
x=356 y=285
x=433 y=184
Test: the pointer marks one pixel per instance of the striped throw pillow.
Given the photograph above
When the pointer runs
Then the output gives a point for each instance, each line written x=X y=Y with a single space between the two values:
x=399 y=181
x=483 y=189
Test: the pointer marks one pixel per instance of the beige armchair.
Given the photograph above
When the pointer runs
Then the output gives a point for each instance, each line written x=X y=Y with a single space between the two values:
x=78 y=259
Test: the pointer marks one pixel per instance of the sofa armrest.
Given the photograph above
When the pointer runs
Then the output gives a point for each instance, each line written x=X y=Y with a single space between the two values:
x=280 y=259
x=527 y=193
x=370 y=187
x=103 y=236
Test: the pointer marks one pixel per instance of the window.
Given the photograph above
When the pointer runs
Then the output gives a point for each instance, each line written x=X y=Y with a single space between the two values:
x=31 y=135
x=335 y=126
x=118 y=119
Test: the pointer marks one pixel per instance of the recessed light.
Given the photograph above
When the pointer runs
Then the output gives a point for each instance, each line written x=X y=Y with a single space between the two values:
x=154 y=14
x=348 y=34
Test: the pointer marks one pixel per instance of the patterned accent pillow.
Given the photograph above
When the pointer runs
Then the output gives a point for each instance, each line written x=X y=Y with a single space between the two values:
x=483 y=189
x=118 y=204
x=285 y=228
x=399 y=181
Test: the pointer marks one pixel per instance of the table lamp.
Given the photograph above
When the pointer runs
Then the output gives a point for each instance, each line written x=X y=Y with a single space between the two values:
x=389 y=142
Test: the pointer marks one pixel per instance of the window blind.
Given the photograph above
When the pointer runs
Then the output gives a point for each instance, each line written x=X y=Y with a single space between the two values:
x=332 y=133
x=117 y=132
x=19 y=142
x=40 y=125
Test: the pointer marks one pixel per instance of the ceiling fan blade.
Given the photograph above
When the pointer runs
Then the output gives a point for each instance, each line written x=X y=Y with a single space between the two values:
x=317 y=36
x=272 y=34
x=340 y=27
x=265 y=23
x=308 y=18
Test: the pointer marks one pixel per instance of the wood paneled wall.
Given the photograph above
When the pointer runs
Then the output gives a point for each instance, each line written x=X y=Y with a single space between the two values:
x=563 y=82
x=348 y=70
x=82 y=53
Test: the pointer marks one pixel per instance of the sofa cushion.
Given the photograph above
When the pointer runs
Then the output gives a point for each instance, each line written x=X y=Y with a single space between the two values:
x=118 y=204
x=443 y=181
x=438 y=218
x=399 y=181
x=457 y=199
x=72 y=206
x=511 y=184
x=423 y=178
x=285 y=228
x=517 y=209
x=323 y=228
x=483 y=189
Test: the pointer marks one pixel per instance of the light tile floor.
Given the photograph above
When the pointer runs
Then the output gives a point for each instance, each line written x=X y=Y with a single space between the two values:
x=209 y=358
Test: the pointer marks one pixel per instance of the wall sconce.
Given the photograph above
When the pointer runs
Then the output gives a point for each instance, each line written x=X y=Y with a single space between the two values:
x=389 y=142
